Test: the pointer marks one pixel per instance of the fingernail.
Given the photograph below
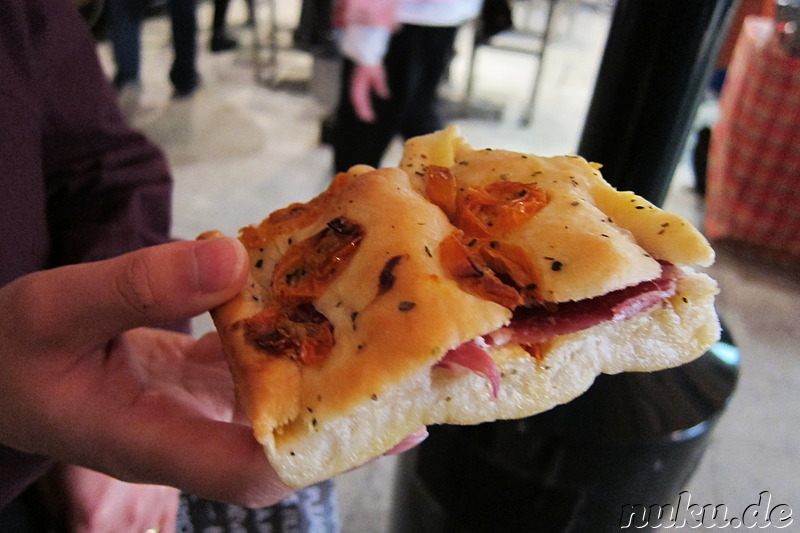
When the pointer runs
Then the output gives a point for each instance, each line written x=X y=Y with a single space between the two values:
x=218 y=263
x=409 y=442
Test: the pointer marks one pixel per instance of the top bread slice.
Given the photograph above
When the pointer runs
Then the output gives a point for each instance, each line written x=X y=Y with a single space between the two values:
x=394 y=311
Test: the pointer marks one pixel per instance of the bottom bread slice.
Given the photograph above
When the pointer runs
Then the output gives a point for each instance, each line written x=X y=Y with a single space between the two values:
x=678 y=331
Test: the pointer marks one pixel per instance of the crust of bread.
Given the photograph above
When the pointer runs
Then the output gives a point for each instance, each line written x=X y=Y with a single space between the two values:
x=665 y=337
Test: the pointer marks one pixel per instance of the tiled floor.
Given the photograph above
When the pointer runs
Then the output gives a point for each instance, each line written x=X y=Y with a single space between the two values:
x=240 y=150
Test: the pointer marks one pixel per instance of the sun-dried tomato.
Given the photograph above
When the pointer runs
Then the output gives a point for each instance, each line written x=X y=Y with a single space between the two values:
x=298 y=333
x=291 y=218
x=512 y=265
x=441 y=189
x=309 y=266
x=473 y=275
x=537 y=351
x=499 y=207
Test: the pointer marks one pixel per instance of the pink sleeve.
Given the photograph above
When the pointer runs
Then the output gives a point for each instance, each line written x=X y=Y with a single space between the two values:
x=371 y=13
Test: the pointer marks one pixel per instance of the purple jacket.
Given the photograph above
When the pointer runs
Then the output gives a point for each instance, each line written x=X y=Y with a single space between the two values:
x=76 y=183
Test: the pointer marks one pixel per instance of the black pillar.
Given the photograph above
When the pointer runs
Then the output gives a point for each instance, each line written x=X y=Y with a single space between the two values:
x=656 y=65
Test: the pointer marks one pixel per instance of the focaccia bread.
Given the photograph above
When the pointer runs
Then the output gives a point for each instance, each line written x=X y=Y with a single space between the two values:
x=464 y=286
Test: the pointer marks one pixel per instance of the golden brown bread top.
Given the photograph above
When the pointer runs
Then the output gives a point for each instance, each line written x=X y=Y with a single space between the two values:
x=372 y=323
x=590 y=238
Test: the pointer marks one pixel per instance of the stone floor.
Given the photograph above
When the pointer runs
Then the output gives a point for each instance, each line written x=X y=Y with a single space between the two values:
x=240 y=148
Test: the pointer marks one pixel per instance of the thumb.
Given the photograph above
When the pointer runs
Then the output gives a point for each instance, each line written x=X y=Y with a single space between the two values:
x=93 y=302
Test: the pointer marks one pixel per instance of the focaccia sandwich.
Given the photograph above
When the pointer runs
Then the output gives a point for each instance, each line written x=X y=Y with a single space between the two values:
x=463 y=286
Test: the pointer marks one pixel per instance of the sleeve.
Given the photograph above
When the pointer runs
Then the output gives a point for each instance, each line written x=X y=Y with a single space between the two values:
x=364 y=44
x=365 y=28
x=109 y=188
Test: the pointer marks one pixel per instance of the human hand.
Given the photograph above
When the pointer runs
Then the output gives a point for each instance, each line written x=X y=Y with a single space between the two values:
x=142 y=405
x=86 y=501
x=366 y=80
x=85 y=383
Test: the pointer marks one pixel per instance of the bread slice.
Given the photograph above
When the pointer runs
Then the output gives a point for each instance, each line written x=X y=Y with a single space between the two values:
x=394 y=311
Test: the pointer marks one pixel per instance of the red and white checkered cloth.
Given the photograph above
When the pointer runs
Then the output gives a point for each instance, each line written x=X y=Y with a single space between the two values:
x=753 y=188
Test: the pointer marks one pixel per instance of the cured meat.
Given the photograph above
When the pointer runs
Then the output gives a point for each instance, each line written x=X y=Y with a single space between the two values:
x=473 y=356
x=533 y=325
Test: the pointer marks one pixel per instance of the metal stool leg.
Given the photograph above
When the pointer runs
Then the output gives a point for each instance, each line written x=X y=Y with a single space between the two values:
x=265 y=55
x=527 y=119
x=543 y=38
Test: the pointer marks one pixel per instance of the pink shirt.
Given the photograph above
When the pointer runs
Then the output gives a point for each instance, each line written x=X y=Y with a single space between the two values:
x=367 y=25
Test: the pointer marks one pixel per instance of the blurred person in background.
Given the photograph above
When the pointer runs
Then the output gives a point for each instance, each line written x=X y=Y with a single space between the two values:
x=221 y=39
x=396 y=53
x=126 y=17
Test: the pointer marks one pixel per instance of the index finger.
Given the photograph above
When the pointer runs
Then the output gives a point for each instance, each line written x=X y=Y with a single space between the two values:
x=212 y=459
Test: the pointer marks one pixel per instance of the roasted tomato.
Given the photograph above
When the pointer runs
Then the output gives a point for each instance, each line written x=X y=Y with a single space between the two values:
x=512 y=265
x=473 y=275
x=291 y=218
x=308 y=267
x=537 y=351
x=298 y=333
x=499 y=207
x=441 y=189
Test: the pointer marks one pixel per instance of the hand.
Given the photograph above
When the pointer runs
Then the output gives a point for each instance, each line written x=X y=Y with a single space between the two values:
x=89 y=502
x=82 y=381
x=366 y=80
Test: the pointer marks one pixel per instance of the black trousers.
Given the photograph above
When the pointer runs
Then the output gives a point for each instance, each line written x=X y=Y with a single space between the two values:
x=415 y=63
